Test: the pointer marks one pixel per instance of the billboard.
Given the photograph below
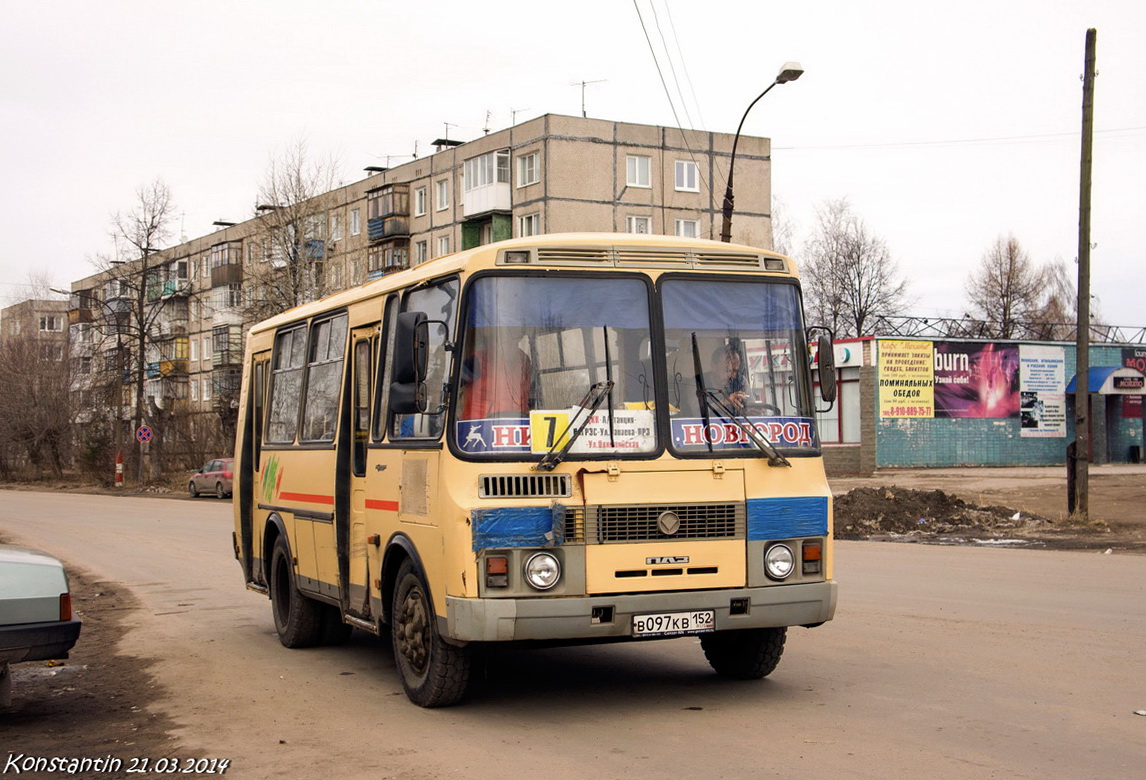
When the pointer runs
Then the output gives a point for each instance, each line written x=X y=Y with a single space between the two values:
x=976 y=380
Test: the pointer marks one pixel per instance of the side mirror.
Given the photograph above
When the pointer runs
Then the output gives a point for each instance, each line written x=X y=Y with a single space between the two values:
x=410 y=348
x=827 y=365
x=407 y=391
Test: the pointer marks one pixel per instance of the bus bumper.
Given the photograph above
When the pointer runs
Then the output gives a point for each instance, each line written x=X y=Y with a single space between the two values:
x=505 y=620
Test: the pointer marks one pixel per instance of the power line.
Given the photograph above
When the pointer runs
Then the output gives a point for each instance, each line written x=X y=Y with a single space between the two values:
x=960 y=141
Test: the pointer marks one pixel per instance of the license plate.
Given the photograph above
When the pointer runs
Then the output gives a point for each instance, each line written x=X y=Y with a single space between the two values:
x=700 y=621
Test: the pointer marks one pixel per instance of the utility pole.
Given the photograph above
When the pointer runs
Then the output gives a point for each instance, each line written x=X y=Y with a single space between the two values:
x=1082 y=344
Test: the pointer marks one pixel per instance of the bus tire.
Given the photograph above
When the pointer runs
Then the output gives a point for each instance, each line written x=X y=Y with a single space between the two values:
x=745 y=654
x=434 y=673
x=298 y=619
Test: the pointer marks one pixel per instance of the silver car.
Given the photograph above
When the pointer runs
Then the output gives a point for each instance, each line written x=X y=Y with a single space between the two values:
x=36 y=621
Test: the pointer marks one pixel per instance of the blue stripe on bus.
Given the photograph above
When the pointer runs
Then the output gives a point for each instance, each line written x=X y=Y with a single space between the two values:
x=529 y=526
x=787 y=518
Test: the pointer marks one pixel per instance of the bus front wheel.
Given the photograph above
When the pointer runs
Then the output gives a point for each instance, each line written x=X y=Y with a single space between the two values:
x=434 y=673
x=746 y=654
x=298 y=619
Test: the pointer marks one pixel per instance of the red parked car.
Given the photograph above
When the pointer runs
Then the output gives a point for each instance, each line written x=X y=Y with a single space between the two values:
x=215 y=477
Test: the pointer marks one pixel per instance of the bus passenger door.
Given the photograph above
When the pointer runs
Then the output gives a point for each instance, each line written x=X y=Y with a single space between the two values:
x=250 y=489
x=358 y=559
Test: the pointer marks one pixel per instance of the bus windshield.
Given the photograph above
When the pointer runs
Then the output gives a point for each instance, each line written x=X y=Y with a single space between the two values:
x=733 y=353
x=533 y=349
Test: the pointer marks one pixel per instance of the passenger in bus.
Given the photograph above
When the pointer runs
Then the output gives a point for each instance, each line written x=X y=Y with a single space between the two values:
x=497 y=379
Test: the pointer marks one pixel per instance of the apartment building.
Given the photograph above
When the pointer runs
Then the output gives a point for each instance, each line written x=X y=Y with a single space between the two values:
x=42 y=321
x=548 y=175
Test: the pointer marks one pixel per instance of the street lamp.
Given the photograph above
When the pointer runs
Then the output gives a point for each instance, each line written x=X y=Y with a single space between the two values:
x=790 y=71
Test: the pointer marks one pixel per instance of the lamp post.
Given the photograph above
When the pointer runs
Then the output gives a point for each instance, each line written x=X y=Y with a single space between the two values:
x=790 y=71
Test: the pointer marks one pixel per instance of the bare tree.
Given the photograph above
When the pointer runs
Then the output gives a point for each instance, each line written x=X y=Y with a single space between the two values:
x=35 y=417
x=290 y=242
x=1007 y=289
x=130 y=305
x=850 y=278
x=783 y=228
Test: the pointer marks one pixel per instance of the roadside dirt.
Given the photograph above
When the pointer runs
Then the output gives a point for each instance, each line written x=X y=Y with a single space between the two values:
x=1013 y=507
x=94 y=704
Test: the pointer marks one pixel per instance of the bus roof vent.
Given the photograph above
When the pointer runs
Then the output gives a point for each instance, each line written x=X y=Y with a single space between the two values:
x=525 y=486
x=558 y=255
x=655 y=258
x=738 y=260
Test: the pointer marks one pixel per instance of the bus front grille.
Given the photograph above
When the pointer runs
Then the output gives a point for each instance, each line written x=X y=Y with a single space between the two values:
x=612 y=524
x=525 y=486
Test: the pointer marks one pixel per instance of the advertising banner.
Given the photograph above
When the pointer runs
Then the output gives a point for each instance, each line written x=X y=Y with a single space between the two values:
x=976 y=380
x=1134 y=357
x=906 y=380
x=1042 y=391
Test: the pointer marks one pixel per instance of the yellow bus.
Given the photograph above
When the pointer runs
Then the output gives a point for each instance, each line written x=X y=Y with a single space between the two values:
x=566 y=438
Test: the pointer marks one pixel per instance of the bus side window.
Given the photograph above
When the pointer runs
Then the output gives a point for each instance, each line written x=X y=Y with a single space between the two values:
x=385 y=349
x=286 y=385
x=363 y=349
x=440 y=303
x=258 y=403
x=324 y=379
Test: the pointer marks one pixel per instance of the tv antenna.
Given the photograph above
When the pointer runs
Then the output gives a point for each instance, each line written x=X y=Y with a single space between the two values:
x=584 y=84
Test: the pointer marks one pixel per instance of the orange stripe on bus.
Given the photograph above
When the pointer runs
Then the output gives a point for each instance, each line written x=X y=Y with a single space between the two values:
x=389 y=506
x=309 y=498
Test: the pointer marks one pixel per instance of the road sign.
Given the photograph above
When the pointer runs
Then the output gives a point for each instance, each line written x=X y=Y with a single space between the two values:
x=143 y=434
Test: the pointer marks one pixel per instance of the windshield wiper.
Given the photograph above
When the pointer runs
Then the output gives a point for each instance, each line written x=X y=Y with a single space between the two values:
x=588 y=407
x=729 y=412
x=701 y=391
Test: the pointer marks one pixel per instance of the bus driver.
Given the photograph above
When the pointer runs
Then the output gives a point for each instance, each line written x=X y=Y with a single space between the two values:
x=497 y=379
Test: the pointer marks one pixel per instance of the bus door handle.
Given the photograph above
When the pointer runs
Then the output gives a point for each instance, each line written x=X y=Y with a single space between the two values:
x=379 y=467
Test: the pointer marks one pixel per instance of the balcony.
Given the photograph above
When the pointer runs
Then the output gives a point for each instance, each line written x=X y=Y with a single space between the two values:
x=488 y=199
x=231 y=273
x=227 y=357
x=176 y=288
x=382 y=228
x=388 y=209
x=79 y=316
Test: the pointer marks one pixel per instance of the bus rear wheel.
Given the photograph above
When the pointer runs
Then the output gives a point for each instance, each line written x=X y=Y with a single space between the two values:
x=434 y=673
x=746 y=654
x=298 y=619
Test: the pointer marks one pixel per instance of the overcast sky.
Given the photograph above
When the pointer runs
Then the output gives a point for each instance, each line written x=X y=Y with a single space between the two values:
x=946 y=125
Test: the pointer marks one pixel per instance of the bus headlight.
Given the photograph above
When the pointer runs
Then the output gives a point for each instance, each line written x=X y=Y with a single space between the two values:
x=779 y=561
x=542 y=571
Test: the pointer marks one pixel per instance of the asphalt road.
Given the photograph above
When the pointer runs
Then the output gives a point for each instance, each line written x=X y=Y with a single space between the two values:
x=942 y=662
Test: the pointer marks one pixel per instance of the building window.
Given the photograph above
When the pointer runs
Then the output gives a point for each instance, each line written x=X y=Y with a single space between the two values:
x=51 y=324
x=687 y=228
x=529 y=225
x=443 y=246
x=492 y=168
x=442 y=194
x=335 y=227
x=420 y=202
x=194 y=350
x=355 y=221
x=421 y=252
x=528 y=170
x=207 y=347
x=194 y=390
x=687 y=179
x=638 y=225
x=637 y=171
